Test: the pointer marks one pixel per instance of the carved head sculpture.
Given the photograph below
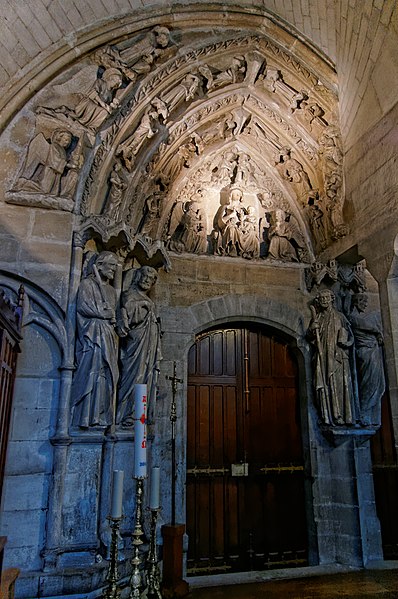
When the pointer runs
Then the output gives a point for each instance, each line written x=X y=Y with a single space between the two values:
x=360 y=301
x=284 y=154
x=61 y=137
x=236 y=195
x=113 y=78
x=162 y=36
x=278 y=217
x=325 y=299
x=146 y=277
x=106 y=264
x=238 y=61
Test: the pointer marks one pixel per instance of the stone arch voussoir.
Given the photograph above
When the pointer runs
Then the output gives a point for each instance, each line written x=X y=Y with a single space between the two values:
x=253 y=308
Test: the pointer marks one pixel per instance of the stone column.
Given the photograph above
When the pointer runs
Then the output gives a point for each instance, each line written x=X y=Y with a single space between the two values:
x=348 y=529
x=61 y=440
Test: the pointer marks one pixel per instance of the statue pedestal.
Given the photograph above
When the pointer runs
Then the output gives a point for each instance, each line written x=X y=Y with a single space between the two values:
x=173 y=584
x=339 y=435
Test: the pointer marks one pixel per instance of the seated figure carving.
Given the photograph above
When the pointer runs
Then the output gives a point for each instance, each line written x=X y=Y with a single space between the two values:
x=285 y=240
x=187 y=227
x=94 y=108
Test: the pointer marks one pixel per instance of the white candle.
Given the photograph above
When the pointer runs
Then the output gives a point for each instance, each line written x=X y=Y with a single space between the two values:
x=155 y=489
x=117 y=494
x=140 y=405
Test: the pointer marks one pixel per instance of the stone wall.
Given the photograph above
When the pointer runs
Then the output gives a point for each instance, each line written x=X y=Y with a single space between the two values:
x=57 y=494
x=372 y=195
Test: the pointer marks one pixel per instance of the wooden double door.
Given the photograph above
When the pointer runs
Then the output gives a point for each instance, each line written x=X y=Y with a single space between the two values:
x=245 y=476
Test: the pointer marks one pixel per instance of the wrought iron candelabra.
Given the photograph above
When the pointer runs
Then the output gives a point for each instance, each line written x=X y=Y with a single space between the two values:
x=112 y=591
x=135 y=578
x=153 y=575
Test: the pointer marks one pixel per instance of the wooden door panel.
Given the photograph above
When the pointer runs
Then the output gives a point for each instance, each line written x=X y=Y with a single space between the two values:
x=385 y=476
x=242 y=407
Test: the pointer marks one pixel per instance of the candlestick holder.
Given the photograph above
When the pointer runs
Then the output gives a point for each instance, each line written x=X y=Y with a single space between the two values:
x=135 y=578
x=112 y=591
x=153 y=576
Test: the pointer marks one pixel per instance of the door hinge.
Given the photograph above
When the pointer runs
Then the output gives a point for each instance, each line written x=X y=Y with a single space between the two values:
x=207 y=471
x=278 y=468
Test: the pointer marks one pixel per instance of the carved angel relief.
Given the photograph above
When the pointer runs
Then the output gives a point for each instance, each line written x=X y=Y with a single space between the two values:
x=49 y=173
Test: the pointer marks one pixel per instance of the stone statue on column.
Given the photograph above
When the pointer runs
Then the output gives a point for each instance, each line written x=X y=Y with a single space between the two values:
x=95 y=379
x=140 y=353
x=331 y=334
x=369 y=360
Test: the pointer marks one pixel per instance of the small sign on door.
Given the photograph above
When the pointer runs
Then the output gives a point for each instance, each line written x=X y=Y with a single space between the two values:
x=240 y=469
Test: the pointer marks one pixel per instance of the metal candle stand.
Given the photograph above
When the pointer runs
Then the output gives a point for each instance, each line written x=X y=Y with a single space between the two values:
x=135 y=578
x=112 y=591
x=153 y=576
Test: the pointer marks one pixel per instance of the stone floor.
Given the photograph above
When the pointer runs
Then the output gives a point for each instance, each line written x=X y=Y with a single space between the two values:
x=378 y=584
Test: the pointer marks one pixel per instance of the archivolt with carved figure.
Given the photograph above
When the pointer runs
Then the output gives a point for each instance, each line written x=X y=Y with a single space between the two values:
x=182 y=118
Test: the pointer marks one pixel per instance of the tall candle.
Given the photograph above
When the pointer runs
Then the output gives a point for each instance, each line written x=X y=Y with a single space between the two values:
x=117 y=494
x=154 y=498
x=140 y=406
